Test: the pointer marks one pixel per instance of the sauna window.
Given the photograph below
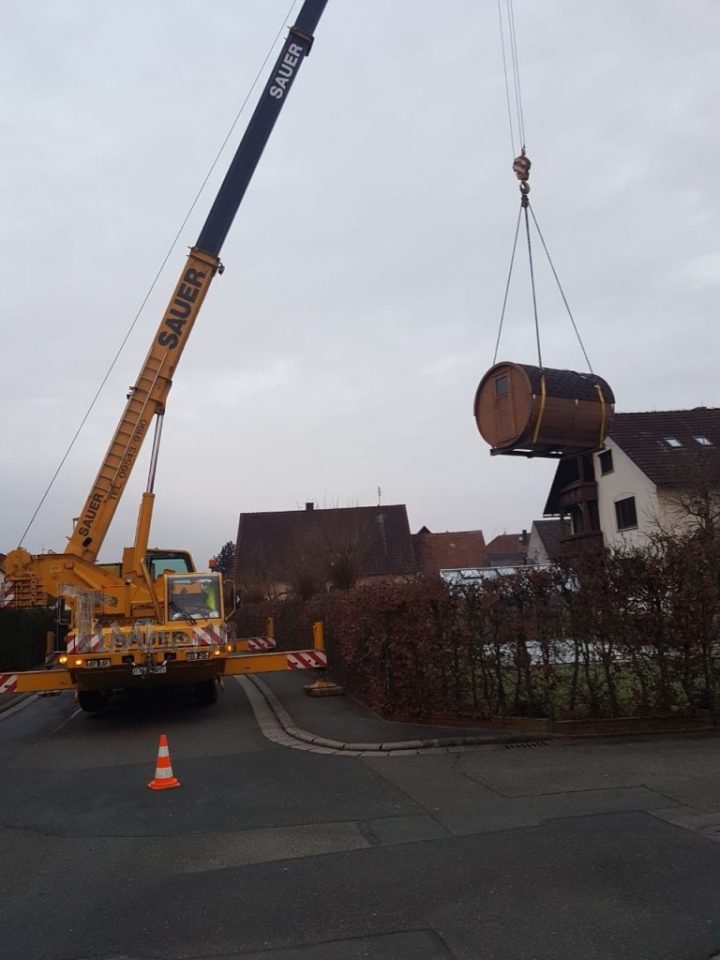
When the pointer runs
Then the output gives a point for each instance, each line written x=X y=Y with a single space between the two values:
x=672 y=442
x=606 y=462
x=625 y=513
x=703 y=441
x=501 y=387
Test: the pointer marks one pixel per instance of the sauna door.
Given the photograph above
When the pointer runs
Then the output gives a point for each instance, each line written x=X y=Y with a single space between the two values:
x=505 y=421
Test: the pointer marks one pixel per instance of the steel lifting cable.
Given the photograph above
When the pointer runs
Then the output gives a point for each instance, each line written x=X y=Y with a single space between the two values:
x=516 y=72
x=521 y=168
x=160 y=269
x=517 y=93
x=521 y=164
x=560 y=288
x=507 y=287
x=525 y=203
x=507 y=84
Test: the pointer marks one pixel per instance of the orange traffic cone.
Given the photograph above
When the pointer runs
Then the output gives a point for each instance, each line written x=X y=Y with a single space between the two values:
x=164 y=778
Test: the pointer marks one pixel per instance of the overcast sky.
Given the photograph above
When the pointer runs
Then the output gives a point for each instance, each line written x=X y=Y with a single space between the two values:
x=341 y=349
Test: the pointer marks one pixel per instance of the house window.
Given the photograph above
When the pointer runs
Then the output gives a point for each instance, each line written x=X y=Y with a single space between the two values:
x=672 y=442
x=606 y=462
x=501 y=387
x=703 y=441
x=625 y=513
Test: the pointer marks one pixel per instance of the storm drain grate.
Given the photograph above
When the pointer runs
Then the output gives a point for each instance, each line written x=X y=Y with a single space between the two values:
x=525 y=744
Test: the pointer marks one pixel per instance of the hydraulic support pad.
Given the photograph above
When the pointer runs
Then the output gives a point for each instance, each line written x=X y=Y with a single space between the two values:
x=274 y=662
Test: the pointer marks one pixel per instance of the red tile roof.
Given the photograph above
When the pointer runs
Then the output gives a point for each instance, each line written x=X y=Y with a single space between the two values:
x=508 y=549
x=448 y=551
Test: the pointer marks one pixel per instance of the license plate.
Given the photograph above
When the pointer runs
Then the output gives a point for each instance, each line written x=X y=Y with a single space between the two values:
x=143 y=672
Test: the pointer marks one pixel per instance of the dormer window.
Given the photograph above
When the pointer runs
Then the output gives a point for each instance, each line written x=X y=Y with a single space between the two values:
x=703 y=441
x=672 y=442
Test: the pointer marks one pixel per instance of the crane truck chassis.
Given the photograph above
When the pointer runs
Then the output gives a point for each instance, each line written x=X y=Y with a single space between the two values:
x=154 y=620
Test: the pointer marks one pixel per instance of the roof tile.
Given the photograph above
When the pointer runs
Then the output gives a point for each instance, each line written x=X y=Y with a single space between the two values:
x=644 y=438
x=265 y=539
x=448 y=551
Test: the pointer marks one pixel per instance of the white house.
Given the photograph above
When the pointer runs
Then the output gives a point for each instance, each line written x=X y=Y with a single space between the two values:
x=656 y=472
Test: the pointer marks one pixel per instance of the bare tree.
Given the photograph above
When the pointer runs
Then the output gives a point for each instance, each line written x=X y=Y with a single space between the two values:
x=329 y=554
x=345 y=543
x=694 y=504
x=301 y=566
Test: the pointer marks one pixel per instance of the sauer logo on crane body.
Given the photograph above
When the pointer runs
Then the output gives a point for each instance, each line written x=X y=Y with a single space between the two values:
x=286 y=71
x=181 y=307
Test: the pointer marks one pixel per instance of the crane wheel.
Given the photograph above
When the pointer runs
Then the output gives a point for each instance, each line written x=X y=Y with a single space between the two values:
x=206 y=692
x=93 y=701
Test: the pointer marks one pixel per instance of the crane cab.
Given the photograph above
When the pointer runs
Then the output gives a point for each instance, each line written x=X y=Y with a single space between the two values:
x=193 y=597
x=168 y=561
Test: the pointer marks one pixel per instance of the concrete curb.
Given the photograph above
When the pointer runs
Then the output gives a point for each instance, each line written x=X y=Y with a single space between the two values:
x=404 y=747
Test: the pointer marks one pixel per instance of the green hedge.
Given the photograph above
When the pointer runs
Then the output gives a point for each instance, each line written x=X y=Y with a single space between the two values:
x=23 y=637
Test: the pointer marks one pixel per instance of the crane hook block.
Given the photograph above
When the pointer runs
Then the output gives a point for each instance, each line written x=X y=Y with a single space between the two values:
x=521 y=169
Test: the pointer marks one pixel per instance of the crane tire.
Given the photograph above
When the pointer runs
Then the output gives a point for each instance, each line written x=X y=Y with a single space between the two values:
x=93 y=701
x=206 y=692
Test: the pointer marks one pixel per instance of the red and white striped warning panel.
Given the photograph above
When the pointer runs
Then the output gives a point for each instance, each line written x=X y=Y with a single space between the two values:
x=260 y=643
x=8 y=682
x=89 y=643
x=306 y=660
x=7 y=593
x=206 y=637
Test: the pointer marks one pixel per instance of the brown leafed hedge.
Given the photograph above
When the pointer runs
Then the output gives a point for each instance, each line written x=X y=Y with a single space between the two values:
x=631 y=634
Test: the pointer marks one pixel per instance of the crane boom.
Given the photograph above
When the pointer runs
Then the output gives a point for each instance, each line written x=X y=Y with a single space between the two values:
x=147 y=397
x=153 y=619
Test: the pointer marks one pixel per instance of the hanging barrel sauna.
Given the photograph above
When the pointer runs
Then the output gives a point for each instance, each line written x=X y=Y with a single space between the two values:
x=535 y=412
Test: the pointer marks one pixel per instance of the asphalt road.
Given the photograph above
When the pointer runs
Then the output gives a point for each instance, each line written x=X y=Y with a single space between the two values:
x=579 y=851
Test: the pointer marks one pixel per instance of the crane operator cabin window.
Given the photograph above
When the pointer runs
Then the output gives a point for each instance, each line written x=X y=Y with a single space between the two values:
x=195 y=597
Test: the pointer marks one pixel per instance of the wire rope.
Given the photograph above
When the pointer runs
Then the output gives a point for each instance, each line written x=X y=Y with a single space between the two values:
x=158 y=273
x=505 y=75
x=521 y=166
x=507 y=287
x=524 y=207
x=562 y=292
x=516 y=73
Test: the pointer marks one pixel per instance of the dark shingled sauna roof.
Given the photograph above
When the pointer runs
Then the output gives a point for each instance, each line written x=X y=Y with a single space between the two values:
x=568 y=384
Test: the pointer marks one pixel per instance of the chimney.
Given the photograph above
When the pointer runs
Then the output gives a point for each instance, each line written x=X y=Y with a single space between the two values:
x=310 y=506
x=524 y=537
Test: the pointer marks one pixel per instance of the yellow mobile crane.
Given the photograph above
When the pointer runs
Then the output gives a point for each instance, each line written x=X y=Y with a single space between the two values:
x=153 y=618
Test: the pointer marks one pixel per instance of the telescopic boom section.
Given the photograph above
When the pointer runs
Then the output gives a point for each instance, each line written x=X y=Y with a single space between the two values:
x=147 y=397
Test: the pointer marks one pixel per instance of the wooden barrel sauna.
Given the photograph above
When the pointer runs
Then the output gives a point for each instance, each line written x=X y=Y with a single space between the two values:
x=534 y=412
